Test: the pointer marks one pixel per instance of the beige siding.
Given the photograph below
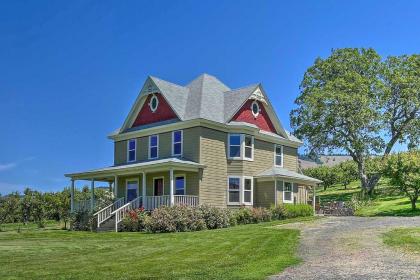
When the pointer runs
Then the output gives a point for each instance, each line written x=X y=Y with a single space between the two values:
x=290 y=158
x=264 y=195
x=191 y=144
x=263 y=158
x=213 y=187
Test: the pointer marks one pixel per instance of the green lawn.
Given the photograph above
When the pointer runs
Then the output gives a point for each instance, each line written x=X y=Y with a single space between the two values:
x=241 y=252
x=407 y=239
x=387 y=201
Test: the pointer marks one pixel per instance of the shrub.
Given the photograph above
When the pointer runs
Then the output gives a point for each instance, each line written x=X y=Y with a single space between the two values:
x=217 y=217
x=243 y=216
x=175 y=219
x=278 y=212
x=298 y=210
x=260 y=215
x=82 y=221
x=135 y=220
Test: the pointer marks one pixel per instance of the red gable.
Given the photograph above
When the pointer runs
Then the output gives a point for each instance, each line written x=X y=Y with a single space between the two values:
x=163 y=112
x=262 y=120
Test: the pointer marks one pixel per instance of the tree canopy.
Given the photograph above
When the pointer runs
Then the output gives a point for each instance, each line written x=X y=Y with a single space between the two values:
x=356 y=102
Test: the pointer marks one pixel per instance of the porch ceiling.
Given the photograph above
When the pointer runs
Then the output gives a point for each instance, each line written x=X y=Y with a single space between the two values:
x=109 y=173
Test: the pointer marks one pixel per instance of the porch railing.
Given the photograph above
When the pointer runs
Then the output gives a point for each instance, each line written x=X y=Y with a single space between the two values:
x=83 y=205
x=190 y=200
x=105 y=213
x=152 y=202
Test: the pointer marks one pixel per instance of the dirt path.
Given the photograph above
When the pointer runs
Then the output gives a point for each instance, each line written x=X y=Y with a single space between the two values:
x=351 y=248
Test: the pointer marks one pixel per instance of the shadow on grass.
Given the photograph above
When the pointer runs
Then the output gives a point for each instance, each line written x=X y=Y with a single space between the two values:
x=399 y=213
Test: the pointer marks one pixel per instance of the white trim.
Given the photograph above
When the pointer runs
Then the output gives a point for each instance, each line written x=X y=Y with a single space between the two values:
x=150 y=147
x=252 y=190
x=128 y=150
x=154 y=96
x=241 y=190
x=291 y=193
x=163 y=183
x=275 y=193
x=185 y=182
x=132 y=179
x=241 y=147
x=252 y=108
x=173 y=143
x=275 y=155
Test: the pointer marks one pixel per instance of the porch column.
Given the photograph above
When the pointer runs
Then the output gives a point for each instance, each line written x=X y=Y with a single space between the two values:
x=116 y=186
x=171 y=187
x=72 y=196
x=314 y=198
x=143 y=185
x=110 y=186
x=92 y=195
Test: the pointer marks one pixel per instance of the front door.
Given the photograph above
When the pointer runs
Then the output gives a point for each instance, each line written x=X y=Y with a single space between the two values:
x=132 y=190
x=158 y=186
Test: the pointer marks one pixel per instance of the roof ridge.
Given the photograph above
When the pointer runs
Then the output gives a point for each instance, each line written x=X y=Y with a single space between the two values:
x=162 y=80
x=248 y=86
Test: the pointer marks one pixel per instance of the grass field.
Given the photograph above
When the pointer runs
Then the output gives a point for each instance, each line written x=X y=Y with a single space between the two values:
x=407 y=239
x=241 y=252
x=387 y=201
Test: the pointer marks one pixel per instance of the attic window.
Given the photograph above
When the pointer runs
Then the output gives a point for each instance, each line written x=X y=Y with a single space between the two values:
x=255 y=108
x=154 y=102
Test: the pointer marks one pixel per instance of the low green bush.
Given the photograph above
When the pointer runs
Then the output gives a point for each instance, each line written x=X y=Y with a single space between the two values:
x=278 y=213
x=135 y=220
x=82 y=221
x=217 y=217
x=298 y=210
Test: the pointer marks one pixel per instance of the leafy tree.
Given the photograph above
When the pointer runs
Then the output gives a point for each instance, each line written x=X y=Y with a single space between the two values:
x=346 y=173
x=326 y=174
x=357 y=103
x=403 y=170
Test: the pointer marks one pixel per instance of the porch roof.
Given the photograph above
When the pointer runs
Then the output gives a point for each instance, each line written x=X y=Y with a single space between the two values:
x=108 y=173
x=279 y=172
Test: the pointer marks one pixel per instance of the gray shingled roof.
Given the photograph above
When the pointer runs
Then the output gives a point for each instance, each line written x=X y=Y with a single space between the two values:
x=204 y=98
x=284 y=173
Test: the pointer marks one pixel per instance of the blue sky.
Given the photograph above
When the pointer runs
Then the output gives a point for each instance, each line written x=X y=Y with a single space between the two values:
x=70 y=70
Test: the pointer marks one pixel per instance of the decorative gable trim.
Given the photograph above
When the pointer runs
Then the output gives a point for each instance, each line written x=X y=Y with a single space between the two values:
x=257 y=95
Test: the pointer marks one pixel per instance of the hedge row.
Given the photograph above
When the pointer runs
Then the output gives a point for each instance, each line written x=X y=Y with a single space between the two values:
x=187 y=218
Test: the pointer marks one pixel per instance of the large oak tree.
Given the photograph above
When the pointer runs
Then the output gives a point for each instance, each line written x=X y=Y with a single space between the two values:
x=356 y=102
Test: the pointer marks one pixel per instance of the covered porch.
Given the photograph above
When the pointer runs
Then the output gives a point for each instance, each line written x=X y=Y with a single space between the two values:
x=147 y=185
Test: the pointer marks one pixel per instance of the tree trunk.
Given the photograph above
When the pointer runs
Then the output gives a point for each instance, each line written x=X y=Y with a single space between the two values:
x=368 y=183
x=413 y=203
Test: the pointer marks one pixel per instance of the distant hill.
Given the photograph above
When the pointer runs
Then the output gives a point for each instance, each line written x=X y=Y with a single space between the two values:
x=328 y=160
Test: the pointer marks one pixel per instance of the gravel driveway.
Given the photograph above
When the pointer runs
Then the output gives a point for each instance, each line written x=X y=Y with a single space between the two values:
x=352 y=248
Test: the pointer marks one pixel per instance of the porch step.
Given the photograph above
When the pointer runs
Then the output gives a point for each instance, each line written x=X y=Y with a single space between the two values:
x=107 y=226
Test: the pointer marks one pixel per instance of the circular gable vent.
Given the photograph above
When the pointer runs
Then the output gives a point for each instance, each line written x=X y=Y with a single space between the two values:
x=255 y=108
x=154 y=102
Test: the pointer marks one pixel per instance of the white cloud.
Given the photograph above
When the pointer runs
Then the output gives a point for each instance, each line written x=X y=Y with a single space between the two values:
x=7 y=166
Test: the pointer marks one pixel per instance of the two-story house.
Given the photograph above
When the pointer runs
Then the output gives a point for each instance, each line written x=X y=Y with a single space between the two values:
x=201 y=143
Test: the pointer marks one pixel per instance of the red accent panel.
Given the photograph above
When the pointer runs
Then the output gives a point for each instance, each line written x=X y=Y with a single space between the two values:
x=262 y=120
x=163 y=112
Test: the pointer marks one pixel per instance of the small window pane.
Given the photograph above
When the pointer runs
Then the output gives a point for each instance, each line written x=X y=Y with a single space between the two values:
x=177 y=148
x=179 y=186
x=153 y=141
x=248 y=141
x=288 y=187
x=131 y=155
x=235 y=151
x=132 y=145
x=288 y=196
x=177 y=136
x=233 y=196
x=278 y=150
x=235 y=140
x=247 y=196
x=278 y=160
x=153 y=152
x=248 y=152
x=234 y=183
x=248 y=184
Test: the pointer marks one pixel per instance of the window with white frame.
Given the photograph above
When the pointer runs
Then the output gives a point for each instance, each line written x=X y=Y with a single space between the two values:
x=153 y=146
x=153 y=103
x=177 y=143
x=248 y=186
x=278 y=155
x=240 y=190
x=287 y=192
x=234 y=190
x=255 y=108
x=240 y=146
x=249 y=147
x=131 y=150
x=180 y=185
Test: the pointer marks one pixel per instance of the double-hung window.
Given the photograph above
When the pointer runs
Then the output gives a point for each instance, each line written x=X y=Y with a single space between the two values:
x=131 y=150
x=153 y=146
x=240 y=190
x=287 y=192
x=241 y=146
x=180 y=185
x=278 y=155
x=177 y=143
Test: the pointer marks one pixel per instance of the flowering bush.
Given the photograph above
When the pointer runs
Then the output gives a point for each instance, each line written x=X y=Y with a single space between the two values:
x=82 y=221
x=260 y=215
x=217 y=217
x=244 y=216
x=135 y=220
x=175 y=219
x=278 y=212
